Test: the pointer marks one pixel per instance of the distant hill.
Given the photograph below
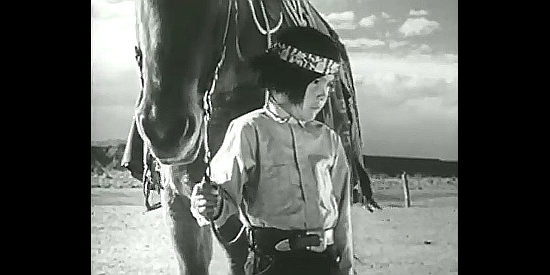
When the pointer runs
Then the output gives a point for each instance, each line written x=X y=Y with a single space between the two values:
x=109 y=142
x=106 y=155
x=394 y=166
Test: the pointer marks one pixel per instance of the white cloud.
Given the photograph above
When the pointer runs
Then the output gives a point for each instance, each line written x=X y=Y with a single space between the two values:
x=113 y=33
x=423 y=49
x=110 y=122
x=396 y=44
x=362 y=43
x=346 y=15
x=453 y=58
x=341 y=20
x=115 y=76
x=114 y=87
x=397 y=80
x=418 y=26
x=408 y=106
x=385 y=15
x=368 y=21
x=343 y=26
x=112 y=9
x=418 y=12
x=395 y=88
x=113 y=42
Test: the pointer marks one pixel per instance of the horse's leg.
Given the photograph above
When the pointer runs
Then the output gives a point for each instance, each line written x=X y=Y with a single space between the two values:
x=237 y=252
x=193 y=244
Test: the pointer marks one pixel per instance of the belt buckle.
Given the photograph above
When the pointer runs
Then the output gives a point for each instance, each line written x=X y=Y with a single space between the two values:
x=327 y=238
x=283 y=245
x=322 y=245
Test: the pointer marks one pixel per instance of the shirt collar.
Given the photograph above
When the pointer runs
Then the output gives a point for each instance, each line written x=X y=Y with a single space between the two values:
x=278 y=114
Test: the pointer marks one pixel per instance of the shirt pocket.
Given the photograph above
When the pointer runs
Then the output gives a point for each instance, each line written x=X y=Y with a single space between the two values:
x=277 y=187
x=286 y=174
x=276 y=174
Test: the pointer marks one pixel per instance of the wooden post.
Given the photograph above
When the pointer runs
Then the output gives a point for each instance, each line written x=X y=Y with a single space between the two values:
x=406 y=189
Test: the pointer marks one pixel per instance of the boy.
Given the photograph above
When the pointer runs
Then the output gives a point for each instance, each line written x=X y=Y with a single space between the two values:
x=286 y=173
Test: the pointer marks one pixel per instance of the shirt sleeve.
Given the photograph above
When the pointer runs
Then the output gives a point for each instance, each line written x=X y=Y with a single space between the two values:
x=232 y=165
x=340 y=175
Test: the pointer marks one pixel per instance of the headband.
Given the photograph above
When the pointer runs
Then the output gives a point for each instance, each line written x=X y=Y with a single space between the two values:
x=305 y=60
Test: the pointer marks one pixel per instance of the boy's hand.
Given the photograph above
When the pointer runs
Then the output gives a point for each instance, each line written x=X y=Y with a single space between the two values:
x=206 y=200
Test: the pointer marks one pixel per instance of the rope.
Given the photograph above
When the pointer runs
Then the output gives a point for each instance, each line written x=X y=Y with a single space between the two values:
x=266 y=24
x=207 y=105
x=237 y=43
x=263 y=31
x=294 y=10
x=207 y=100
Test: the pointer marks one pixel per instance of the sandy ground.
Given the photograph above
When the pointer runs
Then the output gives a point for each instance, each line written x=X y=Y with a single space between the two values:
x=422 y=239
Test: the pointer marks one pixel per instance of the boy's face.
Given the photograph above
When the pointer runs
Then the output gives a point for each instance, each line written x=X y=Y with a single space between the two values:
x=316 y=96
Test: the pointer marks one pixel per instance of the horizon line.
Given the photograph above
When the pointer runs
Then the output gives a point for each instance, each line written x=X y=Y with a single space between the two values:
x=123 y=140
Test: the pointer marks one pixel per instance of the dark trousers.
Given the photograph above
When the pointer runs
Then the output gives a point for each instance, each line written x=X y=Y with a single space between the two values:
x=237 y=252
x=265 y=260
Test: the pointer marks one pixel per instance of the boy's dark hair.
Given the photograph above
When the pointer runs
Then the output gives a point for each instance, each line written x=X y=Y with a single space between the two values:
x=287 y=78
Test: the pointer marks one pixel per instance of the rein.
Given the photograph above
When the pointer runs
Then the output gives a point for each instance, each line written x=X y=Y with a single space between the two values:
x=207 y=106
x=207 y=102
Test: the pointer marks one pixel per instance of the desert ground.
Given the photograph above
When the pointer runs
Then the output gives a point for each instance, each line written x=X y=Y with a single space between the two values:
x=422 y=239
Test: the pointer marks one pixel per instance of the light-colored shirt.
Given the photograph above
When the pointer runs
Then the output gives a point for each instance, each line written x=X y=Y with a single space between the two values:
x=285 y=174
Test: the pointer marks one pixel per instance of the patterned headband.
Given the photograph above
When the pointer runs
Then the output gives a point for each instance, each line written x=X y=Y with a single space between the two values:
x=305 y=60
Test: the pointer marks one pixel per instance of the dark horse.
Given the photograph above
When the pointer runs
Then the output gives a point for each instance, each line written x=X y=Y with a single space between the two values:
x=191 y=48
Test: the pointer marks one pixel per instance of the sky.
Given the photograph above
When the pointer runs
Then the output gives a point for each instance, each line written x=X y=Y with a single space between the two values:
x=403 y=54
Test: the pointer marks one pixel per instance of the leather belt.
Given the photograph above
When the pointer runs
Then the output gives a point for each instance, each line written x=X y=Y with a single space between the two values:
x=316 y=241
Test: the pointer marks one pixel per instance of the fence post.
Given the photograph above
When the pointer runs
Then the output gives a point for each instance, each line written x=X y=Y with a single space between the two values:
x=406 y=189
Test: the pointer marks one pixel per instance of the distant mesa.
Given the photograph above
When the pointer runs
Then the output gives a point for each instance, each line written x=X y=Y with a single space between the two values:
x=426 y=167
x=108 y=142
x=106 y=155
